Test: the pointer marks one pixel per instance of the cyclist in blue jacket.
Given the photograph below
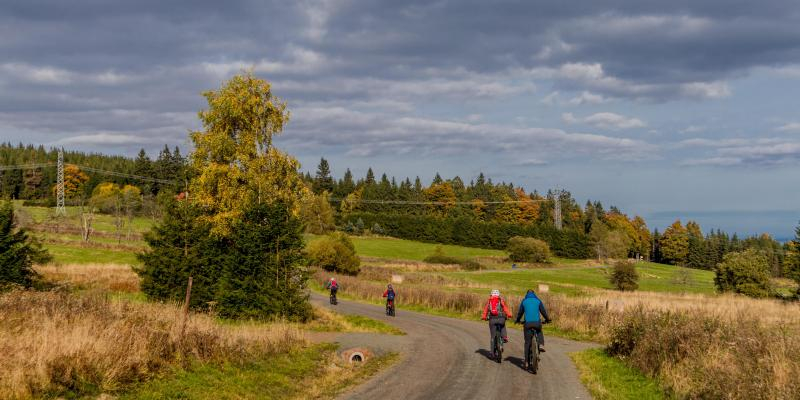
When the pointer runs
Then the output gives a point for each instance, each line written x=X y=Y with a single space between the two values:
x=530 y=308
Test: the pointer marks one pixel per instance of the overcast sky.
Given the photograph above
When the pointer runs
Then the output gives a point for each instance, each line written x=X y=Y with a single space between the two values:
x=679 y=108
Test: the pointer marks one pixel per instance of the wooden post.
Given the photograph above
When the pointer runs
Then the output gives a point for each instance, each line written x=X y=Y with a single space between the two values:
x=186 y=307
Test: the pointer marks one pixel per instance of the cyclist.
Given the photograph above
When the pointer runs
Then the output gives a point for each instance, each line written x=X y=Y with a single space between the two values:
x=530 y=308
x=496 y=312
x=333 y=286
x=389 y=295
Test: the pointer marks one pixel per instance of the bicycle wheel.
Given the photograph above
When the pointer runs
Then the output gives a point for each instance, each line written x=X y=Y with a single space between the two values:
x=534 y=354
x=498 y=344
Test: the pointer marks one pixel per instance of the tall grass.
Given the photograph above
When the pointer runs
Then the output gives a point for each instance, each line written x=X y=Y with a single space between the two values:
x=113 y=277
x=59 y=344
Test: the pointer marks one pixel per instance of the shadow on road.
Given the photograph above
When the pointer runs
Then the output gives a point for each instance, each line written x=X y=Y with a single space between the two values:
x=519 y=362
x=486 y=353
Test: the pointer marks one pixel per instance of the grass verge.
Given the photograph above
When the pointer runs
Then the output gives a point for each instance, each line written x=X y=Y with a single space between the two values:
x=609 y=378
x=309 y=373
x=330 y=321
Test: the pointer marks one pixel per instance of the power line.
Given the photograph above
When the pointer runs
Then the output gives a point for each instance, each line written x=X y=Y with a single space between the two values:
x=84 y=168
x=442 y=203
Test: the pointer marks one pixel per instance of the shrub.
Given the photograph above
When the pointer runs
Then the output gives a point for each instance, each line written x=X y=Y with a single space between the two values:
x=376 y=229
x=438 y=257
x=334 y=252
x=526 y=249
x=745 y=272
x=18 y=252
x=624 y=276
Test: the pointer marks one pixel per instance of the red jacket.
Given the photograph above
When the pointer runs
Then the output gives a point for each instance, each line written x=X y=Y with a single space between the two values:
x=501 y=309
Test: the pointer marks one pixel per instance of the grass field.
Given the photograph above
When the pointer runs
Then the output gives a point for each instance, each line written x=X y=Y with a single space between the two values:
x=652 y=277
x=401 y=249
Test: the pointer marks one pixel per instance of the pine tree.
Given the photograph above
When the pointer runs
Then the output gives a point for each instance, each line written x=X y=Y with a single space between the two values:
x=143 y=166
x=323 y=182
x=18 y=252
x=370 y=177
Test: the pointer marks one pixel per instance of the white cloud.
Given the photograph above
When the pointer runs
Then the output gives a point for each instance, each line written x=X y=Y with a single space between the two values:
x=38 y=74
x=104 y=139
x=605 y=120
x=742 y=151
x=793 y=127
x=707 y=90
x=551 y=99
x=587 y=98
x=693 y=129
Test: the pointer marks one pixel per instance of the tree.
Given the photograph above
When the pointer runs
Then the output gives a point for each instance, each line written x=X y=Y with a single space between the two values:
x=334 y=252
x=74 y=182
x=107 y=197
x=317 y=214
x=624 y=276
x=323 y=182
x=180 y=246
x=442 y=196
x=792 y=265
x=262 y=274
x=236 y=163
x=143 y=166
x=674 y=243
x=131 y=200
x=745 y=272
x=695 y=250
x=18 y=252
x=608 y=243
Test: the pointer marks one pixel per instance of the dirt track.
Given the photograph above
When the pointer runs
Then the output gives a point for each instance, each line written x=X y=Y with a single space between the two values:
x=446 y=358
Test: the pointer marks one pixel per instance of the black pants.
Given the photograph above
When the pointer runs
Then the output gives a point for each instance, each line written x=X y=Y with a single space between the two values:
x=537 y=327
x=495 y=323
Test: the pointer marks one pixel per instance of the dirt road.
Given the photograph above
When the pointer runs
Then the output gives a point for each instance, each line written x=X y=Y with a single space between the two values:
x=446 y=358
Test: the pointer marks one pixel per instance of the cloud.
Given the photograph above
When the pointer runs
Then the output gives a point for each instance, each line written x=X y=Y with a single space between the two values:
x=745 y=152
x=793 y=127
x=587 y=98
x=370 y=134
x=605 y=120
x=693 y=129
x=531 y=162
x=103 y=139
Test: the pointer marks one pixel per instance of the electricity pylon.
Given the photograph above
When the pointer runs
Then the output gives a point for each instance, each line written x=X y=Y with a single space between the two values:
x=60 y=209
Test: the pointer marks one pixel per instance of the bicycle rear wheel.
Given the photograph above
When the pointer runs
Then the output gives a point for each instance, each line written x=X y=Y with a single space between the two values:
x=534 y=355
x=498 y=345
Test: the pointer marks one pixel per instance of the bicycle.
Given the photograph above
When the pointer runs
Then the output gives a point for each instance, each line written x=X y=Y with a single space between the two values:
x=390 y=307
x=334 y=301
x=497 y=344
x=533 y=352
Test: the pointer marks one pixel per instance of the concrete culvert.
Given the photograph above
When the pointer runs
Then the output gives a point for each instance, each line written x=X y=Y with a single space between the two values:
x=356 y=355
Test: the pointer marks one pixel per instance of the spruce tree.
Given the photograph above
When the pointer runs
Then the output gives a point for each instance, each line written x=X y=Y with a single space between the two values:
x=323 y=182
x=179 y=247
x=143 y=166
x=18 y=252
x=263 y=274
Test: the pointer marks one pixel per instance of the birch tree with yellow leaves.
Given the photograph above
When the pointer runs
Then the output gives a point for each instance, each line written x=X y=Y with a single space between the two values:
x=236 y=162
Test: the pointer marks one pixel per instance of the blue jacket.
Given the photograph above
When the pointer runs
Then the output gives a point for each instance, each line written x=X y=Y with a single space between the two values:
x=531 y=307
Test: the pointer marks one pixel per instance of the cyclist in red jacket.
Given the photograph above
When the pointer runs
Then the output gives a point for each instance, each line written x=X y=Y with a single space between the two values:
x=496 y=312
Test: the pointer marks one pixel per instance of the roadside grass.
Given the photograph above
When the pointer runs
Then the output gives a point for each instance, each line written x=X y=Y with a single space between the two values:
x=608 y=378
x=308 y=373
x=331 y=321
x=102 y=222
x=652 y=277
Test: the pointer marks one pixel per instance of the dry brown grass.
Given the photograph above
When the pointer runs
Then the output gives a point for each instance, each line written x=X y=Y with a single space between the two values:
x=56 y=343
x=409 y=266
x=114 y=277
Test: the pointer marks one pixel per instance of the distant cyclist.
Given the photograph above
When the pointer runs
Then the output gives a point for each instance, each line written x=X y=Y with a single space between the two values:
x=531 y=307
x=389 y=295
x=496 y=312
x=333 y=286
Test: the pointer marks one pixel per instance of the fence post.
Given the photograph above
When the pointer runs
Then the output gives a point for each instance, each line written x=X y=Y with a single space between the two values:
x=186 y=307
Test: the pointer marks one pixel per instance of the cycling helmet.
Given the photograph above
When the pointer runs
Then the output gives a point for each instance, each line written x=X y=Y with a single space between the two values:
x=495 y=293
x=390 y=286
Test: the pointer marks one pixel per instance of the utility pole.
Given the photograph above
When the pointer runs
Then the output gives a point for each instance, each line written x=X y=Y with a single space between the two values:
x=60 y=209
x=557 y=209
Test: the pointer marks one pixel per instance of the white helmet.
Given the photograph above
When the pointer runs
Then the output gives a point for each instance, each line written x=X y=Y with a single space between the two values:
x=495 y=293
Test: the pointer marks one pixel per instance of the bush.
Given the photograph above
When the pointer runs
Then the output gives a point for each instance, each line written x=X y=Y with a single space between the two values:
x=334 y=252
x=745 y=272
x=438 y=257
x=527 y=249
x=376 y=229
x=18 y=252
x=624 y=276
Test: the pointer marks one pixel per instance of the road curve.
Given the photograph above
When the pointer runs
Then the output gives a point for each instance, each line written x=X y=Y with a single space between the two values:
x=446 y=358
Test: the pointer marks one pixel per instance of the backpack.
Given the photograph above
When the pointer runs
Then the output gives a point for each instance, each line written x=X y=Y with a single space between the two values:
x=334 y=285
x=494 y=306
x=390 y=295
